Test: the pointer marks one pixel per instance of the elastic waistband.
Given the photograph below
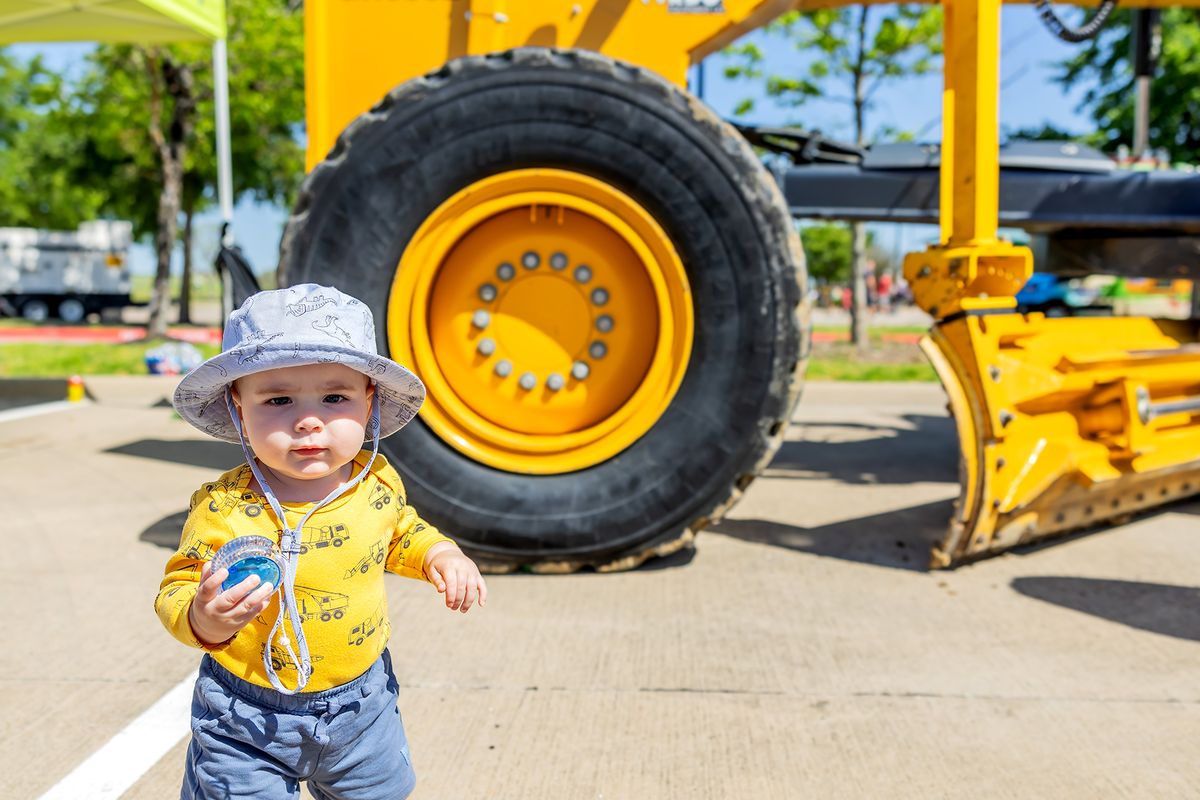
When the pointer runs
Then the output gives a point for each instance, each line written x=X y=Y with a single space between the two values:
x=302 y=702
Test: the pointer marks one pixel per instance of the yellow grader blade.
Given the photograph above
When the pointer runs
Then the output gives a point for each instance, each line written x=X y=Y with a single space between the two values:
x=1065 y=423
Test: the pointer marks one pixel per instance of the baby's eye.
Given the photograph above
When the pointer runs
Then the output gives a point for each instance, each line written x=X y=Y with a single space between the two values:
x=278 y=401
x=335 y=398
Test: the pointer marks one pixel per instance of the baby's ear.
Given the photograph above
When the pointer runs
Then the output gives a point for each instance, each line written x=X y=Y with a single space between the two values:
x=233 y=392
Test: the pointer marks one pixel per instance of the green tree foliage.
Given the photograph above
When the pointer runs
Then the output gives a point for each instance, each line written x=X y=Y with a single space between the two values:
x=266 y=90
x=134 y=117
x=827 y=251
x=1103 y=65
x=105 y=146
x=851 y=55
x=38 y=151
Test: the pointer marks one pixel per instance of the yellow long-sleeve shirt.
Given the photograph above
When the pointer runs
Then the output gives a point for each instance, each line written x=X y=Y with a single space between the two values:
x=340 y=595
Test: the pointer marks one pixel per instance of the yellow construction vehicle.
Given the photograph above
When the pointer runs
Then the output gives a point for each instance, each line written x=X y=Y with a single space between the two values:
x=320 y=604
x=603 y=290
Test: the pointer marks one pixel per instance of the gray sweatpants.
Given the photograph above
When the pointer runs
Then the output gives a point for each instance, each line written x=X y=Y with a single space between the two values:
x=347 y=742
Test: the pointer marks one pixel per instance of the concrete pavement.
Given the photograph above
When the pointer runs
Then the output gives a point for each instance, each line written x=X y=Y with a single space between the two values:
x=800 y=651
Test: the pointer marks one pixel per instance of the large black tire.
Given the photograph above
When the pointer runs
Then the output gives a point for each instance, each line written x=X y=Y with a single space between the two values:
x=579 y=111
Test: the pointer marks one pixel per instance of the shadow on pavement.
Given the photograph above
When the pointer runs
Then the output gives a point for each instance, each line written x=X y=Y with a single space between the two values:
x=193 y=452
x=165 y=532
x=928 y=452
x=900 y=539
x=680 y=558
x=1155 y=607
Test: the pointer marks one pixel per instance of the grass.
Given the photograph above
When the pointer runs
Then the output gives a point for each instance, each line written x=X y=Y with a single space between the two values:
x=205 y=286
x=848 y=369
x=883 y=361
x=830 y=361
x=54 y=360
x=876 y=332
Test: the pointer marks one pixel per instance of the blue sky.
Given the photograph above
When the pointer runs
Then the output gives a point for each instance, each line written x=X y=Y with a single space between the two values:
x=1028 y=98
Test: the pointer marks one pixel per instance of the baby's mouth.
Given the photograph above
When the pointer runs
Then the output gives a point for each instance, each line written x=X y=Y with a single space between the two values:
x=308 y=451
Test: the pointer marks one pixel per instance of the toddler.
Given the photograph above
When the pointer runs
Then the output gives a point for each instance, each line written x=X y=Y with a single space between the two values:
x=296 y=682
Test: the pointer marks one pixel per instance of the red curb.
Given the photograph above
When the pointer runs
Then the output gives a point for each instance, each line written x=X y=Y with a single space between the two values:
x=70 y=335
x=844 y=336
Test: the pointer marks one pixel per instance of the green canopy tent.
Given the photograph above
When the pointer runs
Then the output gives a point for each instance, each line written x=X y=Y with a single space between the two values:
x=142 y=21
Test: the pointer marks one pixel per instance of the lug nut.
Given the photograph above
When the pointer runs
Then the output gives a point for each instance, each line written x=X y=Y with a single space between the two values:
x=604 y=323
x=598 y=350
x=486 y=347
x=580 y=370
x=480 y=319
x=583 y=273
x=599 y=296
x=506 y=271
x=555 y=382
x=531 y=260
x=558 y=261
x=503 y=368
x=528 y=381
x=487 y=293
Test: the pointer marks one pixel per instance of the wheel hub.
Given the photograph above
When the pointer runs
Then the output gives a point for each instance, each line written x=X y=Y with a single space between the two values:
x=552 y=327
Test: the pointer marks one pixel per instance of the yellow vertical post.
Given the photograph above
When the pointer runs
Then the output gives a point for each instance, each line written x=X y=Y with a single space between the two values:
x=946 y=172
x=970 y=270
x=972 y=62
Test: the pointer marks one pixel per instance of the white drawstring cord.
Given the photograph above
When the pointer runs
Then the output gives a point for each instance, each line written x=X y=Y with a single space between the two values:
x=289 y=546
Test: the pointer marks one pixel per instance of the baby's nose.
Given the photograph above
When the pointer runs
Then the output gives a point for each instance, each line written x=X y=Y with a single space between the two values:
x=309 y=423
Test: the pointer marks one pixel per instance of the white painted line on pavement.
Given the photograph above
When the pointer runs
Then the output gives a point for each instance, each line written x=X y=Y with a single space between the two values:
x=33 y=411
x=108 y=772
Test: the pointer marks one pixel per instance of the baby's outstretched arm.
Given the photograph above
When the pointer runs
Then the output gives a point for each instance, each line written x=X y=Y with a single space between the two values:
x=216 y=615
x=452 y=572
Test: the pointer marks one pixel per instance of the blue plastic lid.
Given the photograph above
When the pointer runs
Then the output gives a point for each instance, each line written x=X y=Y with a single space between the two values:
x=246 y=556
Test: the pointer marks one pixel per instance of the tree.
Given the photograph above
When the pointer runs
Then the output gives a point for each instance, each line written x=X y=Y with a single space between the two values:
x=856 y=55
x=148 y=118
x=38 y=154
x=827 y=251
x=1103 y=64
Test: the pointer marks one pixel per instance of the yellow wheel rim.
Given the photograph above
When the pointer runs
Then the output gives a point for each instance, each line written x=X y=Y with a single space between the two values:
x=549 y=316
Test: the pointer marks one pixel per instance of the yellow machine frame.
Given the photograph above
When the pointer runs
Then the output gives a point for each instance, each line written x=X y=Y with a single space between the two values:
x=1063 y=423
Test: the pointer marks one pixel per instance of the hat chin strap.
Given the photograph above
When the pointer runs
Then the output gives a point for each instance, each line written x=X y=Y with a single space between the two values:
x=289 y=546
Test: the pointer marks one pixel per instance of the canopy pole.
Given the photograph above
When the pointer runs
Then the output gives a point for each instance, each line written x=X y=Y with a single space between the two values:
x=224 y=162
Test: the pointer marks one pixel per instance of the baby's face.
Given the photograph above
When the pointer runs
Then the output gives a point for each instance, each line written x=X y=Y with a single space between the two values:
x=307 y=422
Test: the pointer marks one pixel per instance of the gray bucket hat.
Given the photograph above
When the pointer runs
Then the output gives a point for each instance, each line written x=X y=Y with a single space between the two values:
x=303 y=324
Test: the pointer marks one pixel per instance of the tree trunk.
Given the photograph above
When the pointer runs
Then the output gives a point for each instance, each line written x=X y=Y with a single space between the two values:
x=173 y=80
x=164 y=242
x=858 y=231
x=185 y=286
x=858 y=286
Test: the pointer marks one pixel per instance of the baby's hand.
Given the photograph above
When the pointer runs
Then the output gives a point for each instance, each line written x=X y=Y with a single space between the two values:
x=216 y=615
x=452 y=572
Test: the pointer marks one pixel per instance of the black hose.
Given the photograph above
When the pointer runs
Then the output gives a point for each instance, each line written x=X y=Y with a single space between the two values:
x=1075 y=35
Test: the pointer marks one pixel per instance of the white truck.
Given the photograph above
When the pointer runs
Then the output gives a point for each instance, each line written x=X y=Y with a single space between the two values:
x=65 y=274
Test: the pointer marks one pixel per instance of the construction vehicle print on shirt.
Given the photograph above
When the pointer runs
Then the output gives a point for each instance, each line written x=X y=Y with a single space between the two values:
x=247 y=502
x=280 y=659
x=367 y=628
x=320 y=604
x=199 y=550
x=377 y=555
x=318 y=536
x=407 y=541
x=380 y=497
